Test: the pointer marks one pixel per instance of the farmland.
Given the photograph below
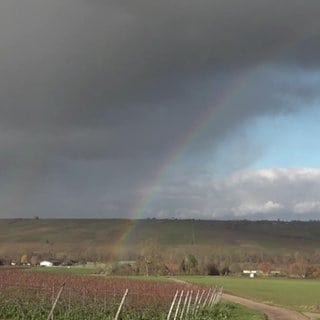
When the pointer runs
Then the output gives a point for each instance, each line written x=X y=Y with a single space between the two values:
x=31 y=295
x=155 y=247
x=297 y=294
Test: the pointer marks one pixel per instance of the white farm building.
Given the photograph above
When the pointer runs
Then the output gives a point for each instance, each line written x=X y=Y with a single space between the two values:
x=46 y=263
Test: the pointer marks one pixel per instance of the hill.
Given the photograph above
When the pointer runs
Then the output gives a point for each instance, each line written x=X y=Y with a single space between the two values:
x=103 y=239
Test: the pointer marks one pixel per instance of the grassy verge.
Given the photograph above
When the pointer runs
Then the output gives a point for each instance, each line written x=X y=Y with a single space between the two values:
x=238 y=312
x=76 y=270
x=297 y=294
x=221 y=311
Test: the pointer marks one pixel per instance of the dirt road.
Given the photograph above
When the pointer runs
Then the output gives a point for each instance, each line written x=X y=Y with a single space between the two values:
x=273 y=313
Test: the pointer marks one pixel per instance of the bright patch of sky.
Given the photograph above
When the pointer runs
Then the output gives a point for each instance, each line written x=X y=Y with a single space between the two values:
x=290 y=140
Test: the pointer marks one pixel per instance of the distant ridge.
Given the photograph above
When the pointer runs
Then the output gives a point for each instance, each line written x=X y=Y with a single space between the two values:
x=167 y=232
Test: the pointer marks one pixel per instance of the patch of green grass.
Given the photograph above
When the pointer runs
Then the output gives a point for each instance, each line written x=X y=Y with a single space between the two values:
x=297 y=294
x=78 y=270
x=239 y=312
x=221 y=311
x=230 y=311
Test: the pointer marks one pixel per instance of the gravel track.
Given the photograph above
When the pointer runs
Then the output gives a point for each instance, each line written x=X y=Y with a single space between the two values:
x=273 y=313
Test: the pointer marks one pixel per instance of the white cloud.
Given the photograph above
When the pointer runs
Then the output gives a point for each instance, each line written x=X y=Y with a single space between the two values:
x=275 y=191
x=287 y=193
x=247 y=209
x=307 y=207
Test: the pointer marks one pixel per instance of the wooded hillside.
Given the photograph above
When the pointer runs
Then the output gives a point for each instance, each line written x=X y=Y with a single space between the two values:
x=232 y=244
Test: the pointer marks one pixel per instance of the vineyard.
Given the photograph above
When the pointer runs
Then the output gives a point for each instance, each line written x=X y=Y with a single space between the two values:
x=31 y=295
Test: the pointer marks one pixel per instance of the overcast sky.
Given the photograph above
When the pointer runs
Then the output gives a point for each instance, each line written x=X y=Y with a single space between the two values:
x=138 y=108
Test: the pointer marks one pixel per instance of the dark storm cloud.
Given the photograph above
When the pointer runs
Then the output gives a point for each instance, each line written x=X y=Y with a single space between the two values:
x=73 y=62
x=94 y=95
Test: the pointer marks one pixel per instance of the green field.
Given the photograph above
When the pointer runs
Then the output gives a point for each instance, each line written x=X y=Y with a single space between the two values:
x=77 y=270
x=298 y=294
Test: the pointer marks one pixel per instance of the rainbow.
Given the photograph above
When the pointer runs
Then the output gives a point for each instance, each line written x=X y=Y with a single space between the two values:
x=230 y=91
x=203 y=121
x=227 y=94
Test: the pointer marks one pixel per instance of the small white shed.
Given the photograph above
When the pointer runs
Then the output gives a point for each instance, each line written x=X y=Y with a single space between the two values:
x=251 y=273
x=46 y=263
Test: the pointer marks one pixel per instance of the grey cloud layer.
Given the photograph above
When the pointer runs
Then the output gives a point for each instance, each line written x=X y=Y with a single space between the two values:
x=73 y=62
x=254 y=194
x=96 y=95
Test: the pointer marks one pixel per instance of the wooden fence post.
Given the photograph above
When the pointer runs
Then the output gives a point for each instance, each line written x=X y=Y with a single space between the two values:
x=189 y=302
x=55 y=302
x=184 y=305
x=195 y=303
x=178 y=306
x=172 y=304
x=199 y=301
x=206 y=299
x=121 y=303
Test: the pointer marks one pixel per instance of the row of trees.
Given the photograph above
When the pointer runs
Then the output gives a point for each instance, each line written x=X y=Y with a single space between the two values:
x=151 y=261
x=150 y=258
